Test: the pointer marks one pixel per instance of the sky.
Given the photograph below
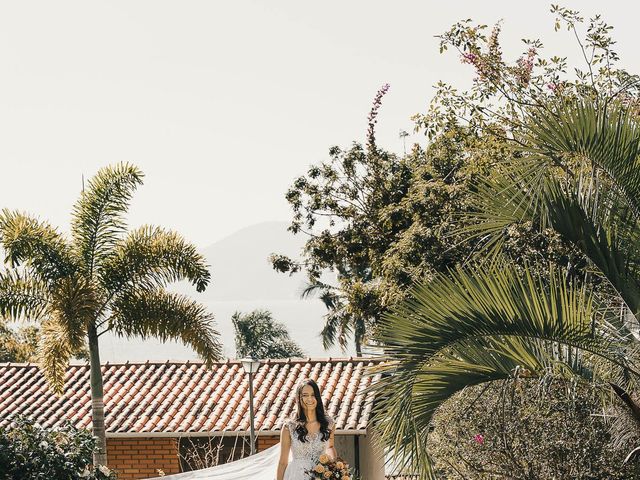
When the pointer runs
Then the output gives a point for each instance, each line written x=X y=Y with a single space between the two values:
x=223 y=104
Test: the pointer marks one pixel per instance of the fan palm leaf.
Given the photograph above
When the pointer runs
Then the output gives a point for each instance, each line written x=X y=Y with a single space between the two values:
x=601 y=227
x=607 y=134
x=472 y=327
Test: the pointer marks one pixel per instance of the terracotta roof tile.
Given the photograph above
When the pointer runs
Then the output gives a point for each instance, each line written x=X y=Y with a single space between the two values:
x=176 y=397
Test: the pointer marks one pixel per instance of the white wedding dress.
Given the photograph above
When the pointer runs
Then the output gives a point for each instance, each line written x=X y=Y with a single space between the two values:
x=305 y=454
x=264 y=465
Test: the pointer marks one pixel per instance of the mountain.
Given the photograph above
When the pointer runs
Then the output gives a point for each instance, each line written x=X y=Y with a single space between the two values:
x=242 y=280
x=240 y=267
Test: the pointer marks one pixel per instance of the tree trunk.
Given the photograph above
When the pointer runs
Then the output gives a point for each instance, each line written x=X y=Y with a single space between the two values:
x=97 y=400
x=358 y=348
x=634 y=408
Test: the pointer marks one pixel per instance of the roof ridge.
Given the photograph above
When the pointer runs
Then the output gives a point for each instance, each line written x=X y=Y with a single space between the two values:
x=227 y=361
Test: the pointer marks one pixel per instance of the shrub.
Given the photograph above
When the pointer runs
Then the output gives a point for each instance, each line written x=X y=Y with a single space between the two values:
x=29 y=451
x=531 y=429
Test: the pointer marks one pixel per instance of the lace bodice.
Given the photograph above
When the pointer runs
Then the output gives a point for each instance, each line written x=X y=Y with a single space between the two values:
x=311 y=449
x=305 y=454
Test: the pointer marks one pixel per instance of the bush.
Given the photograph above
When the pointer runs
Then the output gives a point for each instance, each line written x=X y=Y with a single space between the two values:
x=532 y=429
x=29 y=451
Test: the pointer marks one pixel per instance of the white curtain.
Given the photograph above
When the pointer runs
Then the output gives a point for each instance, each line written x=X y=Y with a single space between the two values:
x=261 y=466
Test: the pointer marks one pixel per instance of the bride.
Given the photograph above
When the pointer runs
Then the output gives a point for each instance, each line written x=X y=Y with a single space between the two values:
x=308 y=435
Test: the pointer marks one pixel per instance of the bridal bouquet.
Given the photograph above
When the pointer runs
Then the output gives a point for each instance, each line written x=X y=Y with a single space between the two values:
x=328 y=469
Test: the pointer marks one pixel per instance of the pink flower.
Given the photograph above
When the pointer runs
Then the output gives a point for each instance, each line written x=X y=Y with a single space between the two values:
x=479 y=438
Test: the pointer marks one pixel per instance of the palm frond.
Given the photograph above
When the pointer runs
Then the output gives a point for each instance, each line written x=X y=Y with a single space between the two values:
x=607 y=134
x=98 y=216
x=337 y=329
x=22 y=298
x=63 y=334
x=26 y=240
x=602 y=229
x=166 y=316
x=151 y=257
x=74 y=303
x=472 y=327
x=54 y=353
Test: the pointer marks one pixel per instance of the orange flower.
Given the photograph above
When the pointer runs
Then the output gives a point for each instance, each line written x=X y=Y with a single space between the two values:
x=319 y=469
x=324 y=458
x=327 y=474
x=340 y=465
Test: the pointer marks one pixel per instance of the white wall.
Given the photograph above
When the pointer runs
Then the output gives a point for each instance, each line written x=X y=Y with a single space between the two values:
x=345 y=448
x=371 y=459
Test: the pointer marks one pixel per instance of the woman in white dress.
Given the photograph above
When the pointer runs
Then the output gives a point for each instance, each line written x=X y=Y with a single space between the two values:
x=307 y=435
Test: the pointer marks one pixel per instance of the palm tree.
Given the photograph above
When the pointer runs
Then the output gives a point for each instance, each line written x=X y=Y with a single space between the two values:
x=258 y=335
x=101 y=279
x=350 y=312
x=579 y=175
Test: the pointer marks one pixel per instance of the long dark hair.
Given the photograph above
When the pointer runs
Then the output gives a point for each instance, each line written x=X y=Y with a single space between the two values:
x=301 y=418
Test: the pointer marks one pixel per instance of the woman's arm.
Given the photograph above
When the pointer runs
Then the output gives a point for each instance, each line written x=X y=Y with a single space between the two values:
x=285 y=446
x=331 y=449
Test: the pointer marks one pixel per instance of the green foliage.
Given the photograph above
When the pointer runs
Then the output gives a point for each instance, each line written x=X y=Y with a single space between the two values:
x=383 y=223
x=259 y=336
x=30 y=451
x=73 y=285
x=530 y=429
x=568 y=180
x=380 y=223
x=503 y=90
x=477 y=326
x=18 y=346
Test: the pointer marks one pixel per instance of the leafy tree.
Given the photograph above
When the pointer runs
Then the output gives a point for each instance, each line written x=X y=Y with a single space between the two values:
x=382 y=223
x=574 y=170
x=101 y=279
x=533 y=429
x=18 y=346
x=258 y=335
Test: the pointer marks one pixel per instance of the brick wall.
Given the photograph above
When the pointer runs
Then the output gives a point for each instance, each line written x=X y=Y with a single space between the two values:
x=265 y=442
x=136 y=458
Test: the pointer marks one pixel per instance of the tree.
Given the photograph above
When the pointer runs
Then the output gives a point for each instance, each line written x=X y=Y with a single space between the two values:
x=18 y=346
x=575 y=171
x=101 y=279
x=381 y=223
x=258 y=335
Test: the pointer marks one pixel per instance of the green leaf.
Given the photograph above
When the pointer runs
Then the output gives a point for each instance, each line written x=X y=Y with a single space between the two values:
x=472 y=327
x=29 y=241
x=98 y=216
x=22 y=298
x=166 y=316
x=152 y=257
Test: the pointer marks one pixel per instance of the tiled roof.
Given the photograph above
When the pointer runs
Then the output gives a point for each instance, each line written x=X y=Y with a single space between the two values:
x=166 y=398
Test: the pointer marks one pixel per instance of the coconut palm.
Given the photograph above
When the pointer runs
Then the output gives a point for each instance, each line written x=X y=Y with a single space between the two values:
x=259 y=335
x=101 y=279
x=578 y=173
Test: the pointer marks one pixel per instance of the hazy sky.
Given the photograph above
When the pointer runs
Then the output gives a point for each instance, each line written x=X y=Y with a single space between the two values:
x=223 y=104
